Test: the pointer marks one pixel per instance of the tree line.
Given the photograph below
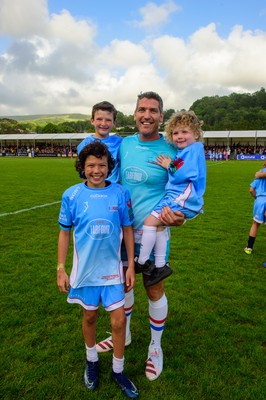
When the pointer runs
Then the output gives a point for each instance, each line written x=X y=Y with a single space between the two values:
x=233 y=112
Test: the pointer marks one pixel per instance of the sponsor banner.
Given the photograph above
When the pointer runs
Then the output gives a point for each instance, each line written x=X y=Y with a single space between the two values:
x=251 y=157
x=46 y=155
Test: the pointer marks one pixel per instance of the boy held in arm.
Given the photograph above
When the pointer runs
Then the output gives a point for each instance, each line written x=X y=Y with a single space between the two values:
x=184 y=192
x=100 y=214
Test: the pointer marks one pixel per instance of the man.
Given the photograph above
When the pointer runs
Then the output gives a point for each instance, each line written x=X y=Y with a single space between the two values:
x=146 y=181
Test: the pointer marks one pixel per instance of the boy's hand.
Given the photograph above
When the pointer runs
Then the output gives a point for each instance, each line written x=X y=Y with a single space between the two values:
x=130 y=278
x=163 y=161
x=62 y=281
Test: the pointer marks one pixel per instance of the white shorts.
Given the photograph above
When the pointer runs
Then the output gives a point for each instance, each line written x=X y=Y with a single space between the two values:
x=168 y=202
x=89 y=297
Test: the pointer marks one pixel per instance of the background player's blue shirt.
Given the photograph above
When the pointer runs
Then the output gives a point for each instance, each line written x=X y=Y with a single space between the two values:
x=187 y=177
x=97 y=216
x=259 y=185
x=141 y=176
x=113 y=143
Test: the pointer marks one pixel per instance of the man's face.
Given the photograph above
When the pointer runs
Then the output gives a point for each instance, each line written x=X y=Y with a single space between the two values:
x=148 y=118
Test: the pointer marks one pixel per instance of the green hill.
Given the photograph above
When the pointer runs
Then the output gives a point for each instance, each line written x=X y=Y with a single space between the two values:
x=46 y=118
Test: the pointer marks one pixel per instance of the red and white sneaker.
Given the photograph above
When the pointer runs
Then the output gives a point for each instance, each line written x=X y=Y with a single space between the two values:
x=154 y=363
x=107 y=344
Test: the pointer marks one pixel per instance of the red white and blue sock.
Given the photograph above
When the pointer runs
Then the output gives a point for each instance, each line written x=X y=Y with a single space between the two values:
x=158 y=313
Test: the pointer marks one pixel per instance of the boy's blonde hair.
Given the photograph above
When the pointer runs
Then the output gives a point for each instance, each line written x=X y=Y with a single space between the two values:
x=186 y=118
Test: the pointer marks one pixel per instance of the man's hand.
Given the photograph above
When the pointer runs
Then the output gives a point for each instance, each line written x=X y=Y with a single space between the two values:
x=170 y=218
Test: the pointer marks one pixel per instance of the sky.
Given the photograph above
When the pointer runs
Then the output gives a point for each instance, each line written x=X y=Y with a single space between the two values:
x=63 y=56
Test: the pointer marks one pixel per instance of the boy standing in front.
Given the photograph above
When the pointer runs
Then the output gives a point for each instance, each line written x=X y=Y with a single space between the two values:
x=101 y=215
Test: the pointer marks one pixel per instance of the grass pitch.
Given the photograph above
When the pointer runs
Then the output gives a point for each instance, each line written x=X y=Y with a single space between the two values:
x=214 y=342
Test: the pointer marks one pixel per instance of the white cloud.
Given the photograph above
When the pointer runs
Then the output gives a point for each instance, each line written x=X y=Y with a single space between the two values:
x=153 y=15
x=27 y=16
x=65 y=27
x=211 y=65
x=123 y=53
x=53 y=64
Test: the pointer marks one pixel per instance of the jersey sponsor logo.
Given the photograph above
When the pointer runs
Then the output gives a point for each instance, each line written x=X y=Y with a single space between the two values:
x=110 y=277
x=86 y=206
x=135 y=176
x=73 y=195
x=113 y=208
x=98 y=196
x=62 y=217
x=100 y=229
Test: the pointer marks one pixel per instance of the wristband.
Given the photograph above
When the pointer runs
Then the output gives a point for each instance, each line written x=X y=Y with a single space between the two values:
x=60 y=266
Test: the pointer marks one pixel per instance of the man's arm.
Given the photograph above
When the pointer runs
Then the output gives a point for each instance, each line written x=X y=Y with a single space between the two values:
x=170 y=218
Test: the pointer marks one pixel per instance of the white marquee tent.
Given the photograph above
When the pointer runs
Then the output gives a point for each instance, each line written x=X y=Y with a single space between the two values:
x=253 y=137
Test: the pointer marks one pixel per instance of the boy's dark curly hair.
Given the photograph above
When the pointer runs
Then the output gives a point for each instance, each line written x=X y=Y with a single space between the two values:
x=98 y=150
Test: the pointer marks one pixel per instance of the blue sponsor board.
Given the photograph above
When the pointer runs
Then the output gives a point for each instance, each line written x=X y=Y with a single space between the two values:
x=251 y=157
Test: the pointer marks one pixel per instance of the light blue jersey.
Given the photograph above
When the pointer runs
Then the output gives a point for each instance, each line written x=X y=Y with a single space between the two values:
x=259 y=185
x=187 y=177
x=97 y=217
x=144 y=179
x=113 y=143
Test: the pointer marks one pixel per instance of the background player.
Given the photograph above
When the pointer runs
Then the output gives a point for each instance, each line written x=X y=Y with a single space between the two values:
x=258 y=191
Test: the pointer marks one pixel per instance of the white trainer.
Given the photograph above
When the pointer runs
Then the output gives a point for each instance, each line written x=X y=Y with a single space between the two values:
x=154 y=363
x=107 y=344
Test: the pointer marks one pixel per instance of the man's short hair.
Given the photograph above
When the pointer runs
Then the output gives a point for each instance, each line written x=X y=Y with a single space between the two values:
x=151 y=95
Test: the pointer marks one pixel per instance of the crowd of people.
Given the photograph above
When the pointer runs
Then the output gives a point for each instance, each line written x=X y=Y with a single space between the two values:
x=213 y=152
x=57 y=150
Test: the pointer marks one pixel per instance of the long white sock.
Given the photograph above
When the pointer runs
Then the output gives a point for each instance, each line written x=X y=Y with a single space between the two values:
x=160 y=248
x=91 y=353
x=158 y=313
x=128 y=306
x=147 y=243
x=118 y=364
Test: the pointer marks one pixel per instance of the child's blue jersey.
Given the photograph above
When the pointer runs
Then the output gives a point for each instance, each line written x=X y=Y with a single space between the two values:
x=144 y=179
x=259 y=185
x=97 y=217
x=113 y=143
x=187 y=177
